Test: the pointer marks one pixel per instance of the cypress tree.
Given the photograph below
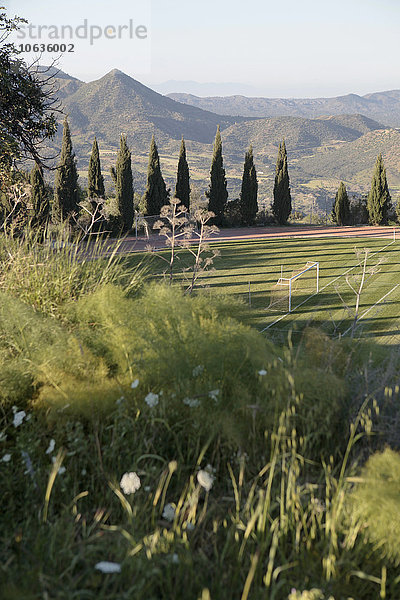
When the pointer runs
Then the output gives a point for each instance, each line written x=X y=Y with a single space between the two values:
x=95 y=178
x=156 y=194
x=248 y=194
x=122 y=176
x=341 y=207
x=217 y=194
x=282 y=204
x=379 y=199
x=39 y=196
x=182 y=190
x=66 y=189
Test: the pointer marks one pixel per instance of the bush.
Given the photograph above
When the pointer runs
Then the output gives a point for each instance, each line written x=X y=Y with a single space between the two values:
x=375 y=503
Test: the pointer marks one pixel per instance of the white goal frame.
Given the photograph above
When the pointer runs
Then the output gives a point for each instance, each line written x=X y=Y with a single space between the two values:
x=288 y=281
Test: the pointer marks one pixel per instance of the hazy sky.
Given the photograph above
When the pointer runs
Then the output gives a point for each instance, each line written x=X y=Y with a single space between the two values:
x=279 y=48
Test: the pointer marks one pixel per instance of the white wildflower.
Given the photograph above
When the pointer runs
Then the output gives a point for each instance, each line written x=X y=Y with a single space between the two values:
x=134 y=384
x=119 y=401
x=262 y=372
x=189 y=526
x=18 y=417
x=108 y=567
x=151 y=399
x=169 y=512
x=198 y=370
x=175 y=559
x=6 y=458
x=51 y=447
x=214 y=395
x=28 y=417
x=14 y=409
x=147 y=488
x=191 y=402
x=130 y=483
x=205 y=479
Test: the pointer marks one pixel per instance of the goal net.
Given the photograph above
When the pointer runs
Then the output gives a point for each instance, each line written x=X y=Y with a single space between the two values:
x=290 y=292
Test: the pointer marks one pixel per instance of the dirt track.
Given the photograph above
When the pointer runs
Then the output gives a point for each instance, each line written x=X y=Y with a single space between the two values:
x=132 y=244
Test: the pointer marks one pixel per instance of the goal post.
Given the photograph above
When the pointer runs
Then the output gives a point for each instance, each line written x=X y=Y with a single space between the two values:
x=301 y=281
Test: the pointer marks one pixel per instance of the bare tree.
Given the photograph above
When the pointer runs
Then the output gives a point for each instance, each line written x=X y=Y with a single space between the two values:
x=357 y=281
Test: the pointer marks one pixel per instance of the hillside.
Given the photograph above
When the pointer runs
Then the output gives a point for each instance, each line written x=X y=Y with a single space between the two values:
x=381 y=106
x=117 y=103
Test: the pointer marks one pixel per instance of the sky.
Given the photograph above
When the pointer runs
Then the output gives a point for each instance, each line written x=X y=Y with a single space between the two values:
x=287 y=48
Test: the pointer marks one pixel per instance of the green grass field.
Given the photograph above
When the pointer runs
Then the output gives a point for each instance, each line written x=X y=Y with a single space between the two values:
x=259 y=264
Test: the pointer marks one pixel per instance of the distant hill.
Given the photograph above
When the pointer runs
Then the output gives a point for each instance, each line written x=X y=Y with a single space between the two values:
x=381 y=106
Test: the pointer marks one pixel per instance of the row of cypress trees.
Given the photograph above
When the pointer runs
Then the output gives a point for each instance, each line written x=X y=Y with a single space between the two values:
x=66 y=196
x=379 y=201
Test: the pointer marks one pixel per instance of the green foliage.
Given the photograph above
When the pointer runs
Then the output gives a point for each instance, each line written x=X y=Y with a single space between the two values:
x=341 y=207
x=182 y=190
x=156 y=195
x=282 y=203
x=66 y=190
x=217 y=193
x=248 y=194
x=122 y=176
x=39 y=196
x=26 y=101
x=95 y=178
x=375 y=502
x=379 y=200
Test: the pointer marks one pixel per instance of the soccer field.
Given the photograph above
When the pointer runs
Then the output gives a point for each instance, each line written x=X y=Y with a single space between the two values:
x=260 y=264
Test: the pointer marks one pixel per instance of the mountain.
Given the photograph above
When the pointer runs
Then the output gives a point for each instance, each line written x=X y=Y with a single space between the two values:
x=204 y=89
x=117 y=103
x=381 y=106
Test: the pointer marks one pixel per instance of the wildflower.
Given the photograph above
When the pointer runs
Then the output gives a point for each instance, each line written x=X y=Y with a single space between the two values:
x=130 y=483
x=198 y=370
x=175 y=559
x=214 y=395
x=191 y=402
x=51 y=447
x=6 y=458
x=151 y=400
x=108 y=567
x=205 y=479
x=169 y=512
x=262 y=372
x=134 y=384
x=18 y=417
x=119 y=401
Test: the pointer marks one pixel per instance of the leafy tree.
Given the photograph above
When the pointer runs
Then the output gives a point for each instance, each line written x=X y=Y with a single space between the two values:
x=282 y=203
x=182 y=190
x=39 y=196
x=26 y=103
x=341 y=207
x=95 y=178
x=66 y=189
x=156 y=194
x=217 y=193
x=122 y=176
x=248 y=194
x=398 y=210
x=379 y=200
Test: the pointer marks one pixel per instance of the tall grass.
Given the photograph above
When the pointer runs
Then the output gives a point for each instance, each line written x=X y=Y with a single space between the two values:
x=49 y=268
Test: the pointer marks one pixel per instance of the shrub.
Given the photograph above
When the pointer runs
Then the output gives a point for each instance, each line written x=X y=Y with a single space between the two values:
x=375 y=503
